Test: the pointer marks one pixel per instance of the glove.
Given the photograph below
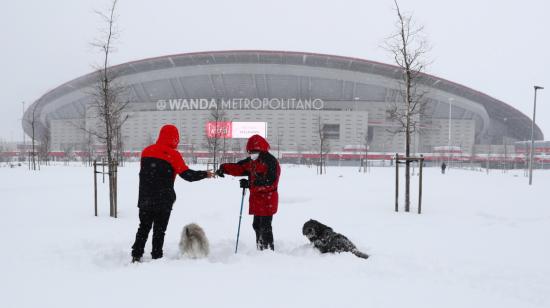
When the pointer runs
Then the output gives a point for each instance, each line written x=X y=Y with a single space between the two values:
x=220 y=173
x=244 y=183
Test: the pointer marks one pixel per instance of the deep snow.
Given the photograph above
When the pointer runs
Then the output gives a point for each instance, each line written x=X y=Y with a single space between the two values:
x=482 y=241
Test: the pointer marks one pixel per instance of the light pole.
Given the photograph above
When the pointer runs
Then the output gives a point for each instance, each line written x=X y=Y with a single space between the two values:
x=505 y=145
x=450 y=126
x=24 y=149
x=532 y=149
x=23 y=120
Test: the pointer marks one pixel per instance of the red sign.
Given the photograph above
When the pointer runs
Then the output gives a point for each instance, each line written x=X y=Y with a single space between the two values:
x=218 y=130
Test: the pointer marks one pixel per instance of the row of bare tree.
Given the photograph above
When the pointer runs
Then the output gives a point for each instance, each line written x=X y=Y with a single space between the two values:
x=40 y=143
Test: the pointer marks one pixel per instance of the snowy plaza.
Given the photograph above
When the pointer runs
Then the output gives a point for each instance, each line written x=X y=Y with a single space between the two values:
x=481 y=241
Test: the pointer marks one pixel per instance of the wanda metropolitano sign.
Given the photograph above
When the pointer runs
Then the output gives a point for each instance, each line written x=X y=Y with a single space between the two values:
x=180 y=104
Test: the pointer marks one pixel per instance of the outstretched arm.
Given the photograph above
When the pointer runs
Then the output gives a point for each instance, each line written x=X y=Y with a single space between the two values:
x=192 y=175
x=237 y=169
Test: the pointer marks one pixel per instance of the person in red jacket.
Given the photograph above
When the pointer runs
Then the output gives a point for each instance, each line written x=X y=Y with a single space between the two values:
x=160 y=164
x=263 y=173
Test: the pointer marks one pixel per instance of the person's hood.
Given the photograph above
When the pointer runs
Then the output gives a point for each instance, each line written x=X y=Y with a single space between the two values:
x=169 y=136
x=257 y=143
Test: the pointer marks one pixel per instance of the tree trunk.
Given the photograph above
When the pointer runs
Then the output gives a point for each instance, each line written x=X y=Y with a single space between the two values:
x=408 y=142
x=321 y=157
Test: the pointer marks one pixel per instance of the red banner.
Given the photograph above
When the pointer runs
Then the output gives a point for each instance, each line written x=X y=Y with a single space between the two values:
x=218 y=130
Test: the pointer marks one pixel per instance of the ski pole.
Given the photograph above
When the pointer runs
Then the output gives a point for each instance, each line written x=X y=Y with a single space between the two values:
x=240 y=217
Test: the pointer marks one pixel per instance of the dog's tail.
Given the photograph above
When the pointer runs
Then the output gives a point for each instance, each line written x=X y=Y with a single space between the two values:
x=360 y=254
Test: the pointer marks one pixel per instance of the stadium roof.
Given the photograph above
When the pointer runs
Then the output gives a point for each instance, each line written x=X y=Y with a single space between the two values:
x=255 y=73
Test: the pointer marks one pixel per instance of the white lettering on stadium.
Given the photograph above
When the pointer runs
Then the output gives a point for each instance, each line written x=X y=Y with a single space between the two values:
x=240 y=104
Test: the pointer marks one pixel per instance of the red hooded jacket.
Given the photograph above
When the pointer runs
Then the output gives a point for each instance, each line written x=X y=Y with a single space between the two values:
x=263 y=175
x=166 y=149
x=160 y=163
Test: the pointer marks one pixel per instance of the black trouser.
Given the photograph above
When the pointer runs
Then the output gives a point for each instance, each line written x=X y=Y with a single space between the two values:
x=147 y=219
x=264 y=232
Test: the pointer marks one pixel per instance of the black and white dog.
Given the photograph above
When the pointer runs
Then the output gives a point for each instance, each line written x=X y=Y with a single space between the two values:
x=326 y=240
x=194 y=243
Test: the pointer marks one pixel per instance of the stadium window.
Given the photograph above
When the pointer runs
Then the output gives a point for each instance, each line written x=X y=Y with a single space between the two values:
x=331 y=131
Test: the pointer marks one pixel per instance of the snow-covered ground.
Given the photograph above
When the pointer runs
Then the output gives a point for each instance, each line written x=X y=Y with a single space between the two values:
x=482 y=241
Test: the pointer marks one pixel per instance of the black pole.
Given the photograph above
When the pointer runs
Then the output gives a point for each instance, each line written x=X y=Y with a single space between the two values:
x=420 y=185
x=397 y=182
x=95 y=187
x=532 y=151
x=115 y=185
x=240 y=218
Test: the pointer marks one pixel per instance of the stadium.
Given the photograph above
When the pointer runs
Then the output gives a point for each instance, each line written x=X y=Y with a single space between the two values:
x=295 y=94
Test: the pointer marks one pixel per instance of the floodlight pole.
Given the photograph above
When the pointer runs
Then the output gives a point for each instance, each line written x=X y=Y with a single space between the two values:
x=532 y=149
x=24 y=150
x=23 y=117
x=450 y=127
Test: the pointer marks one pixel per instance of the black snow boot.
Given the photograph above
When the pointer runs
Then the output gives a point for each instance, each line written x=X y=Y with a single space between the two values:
x=264 y=232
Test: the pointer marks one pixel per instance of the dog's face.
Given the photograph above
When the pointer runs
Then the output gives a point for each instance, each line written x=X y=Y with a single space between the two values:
x=313 y=229
x=194 y=230
x=308 y=230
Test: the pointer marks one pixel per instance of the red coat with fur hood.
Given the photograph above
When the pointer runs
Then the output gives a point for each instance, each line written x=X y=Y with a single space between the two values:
x=263 y=176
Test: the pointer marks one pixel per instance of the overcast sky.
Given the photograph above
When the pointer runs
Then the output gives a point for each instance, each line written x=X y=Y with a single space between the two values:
x=501 y=48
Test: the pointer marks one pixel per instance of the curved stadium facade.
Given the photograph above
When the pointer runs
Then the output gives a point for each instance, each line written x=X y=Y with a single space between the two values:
x=291 y=91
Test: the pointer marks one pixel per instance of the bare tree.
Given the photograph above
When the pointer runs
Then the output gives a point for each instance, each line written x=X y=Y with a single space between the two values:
x=3 y=149
x=301 y=160
x=366 y=148
x=505 y=141
x=67 y=153
x=224 y=149
x=108 y=101
x=89 y=147
x=279 y=142
x=214 y=142
x=45 y=145
x=119 y=146
x=324 y=146
x=33 y=122
x=192 y=155
x=237 y=149
x=149 y=140
x=408 y=47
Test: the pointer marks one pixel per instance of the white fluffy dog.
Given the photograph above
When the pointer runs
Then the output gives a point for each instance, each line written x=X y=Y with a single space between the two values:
x=194 y=243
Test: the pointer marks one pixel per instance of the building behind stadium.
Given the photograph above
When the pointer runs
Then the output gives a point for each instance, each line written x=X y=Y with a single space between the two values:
x=295 y=93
